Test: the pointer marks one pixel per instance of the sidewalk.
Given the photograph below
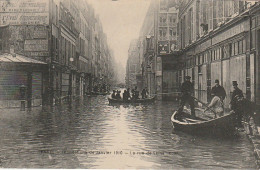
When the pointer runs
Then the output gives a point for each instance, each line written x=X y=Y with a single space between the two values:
x=252 y=129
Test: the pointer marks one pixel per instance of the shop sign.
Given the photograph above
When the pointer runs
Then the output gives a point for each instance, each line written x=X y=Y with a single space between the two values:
x=24 y=6
x=242 y=27
x=36 y=45
x=163 y=47
x=24 y=19
x=40 y=32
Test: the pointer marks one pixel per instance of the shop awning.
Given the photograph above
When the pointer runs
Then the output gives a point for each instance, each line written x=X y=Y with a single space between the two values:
x=9 y=58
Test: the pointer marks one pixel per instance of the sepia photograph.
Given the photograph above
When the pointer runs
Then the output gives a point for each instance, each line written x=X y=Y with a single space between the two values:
x=130 y=84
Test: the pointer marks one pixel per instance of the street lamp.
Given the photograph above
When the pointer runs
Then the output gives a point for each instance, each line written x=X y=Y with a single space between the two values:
x=148 y=67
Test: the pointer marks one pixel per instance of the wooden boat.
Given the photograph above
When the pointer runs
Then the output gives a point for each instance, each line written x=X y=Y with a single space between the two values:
x=97 y=93
x=121 y=101
x=224 y=125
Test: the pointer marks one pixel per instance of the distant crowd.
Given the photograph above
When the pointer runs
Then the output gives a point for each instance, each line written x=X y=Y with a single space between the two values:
x=127 y=95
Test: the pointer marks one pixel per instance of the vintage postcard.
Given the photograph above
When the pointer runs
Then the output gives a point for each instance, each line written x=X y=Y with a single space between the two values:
x=130 y=84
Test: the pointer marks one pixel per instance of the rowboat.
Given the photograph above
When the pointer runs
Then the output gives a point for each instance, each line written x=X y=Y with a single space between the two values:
x=121 y=101
x=98 y=93
x=224 y=125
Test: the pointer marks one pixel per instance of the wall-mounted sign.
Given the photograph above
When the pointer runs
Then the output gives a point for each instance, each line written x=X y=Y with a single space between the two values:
x=24 y=19
x=237 y=29
x=24 y=12
x=36 y=45
x=24 y=6
x=163 y=47
x=40 y=32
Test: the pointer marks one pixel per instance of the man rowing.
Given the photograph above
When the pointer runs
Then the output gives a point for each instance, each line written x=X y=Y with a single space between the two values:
x=187 y=90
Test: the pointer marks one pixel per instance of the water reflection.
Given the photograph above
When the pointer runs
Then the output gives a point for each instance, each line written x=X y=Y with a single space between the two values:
x=90 y=133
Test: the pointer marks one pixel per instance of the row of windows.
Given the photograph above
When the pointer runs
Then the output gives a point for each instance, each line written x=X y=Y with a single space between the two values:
x=171 y=19
x=210 y=13
x=67 y=51
x=55 y=45
x=229 y=50
x=163 y=32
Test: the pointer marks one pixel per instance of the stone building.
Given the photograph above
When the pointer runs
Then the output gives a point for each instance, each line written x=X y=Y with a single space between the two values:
x=207 y=40
x=61 y=34
x=158 y=40
x=215 y=44
x=133 y=66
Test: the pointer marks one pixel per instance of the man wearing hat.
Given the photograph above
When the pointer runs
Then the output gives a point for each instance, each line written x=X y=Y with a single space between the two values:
x=113 y=96
x=187 y=89
x=236 y=96
x=236 y=93
x=218 y=90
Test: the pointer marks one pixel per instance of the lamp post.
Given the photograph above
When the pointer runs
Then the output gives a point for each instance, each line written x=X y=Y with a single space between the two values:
x=149 y=78
x=70 y=79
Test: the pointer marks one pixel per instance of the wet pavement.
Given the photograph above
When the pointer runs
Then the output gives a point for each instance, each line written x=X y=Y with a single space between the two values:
x=90 y=133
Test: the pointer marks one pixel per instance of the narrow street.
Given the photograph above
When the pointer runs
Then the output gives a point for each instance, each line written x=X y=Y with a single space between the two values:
x=90 y=133
x=130 y=84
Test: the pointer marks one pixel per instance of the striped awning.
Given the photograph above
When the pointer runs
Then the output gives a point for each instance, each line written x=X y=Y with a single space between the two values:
x=9 y=58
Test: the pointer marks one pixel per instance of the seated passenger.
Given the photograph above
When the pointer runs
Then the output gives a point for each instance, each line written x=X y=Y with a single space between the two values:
x=125 y=96
x=118 y=96
x=217 y=105
x=113 y=96
x=144 y=93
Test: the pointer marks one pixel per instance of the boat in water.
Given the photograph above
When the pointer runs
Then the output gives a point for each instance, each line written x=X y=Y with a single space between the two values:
x=121 y=101
x=97 y=93
x=224 y=125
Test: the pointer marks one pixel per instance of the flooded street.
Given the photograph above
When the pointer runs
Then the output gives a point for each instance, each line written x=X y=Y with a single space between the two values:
x=89 y=133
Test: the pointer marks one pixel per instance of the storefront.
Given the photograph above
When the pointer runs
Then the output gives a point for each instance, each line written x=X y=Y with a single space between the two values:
x=19 y=71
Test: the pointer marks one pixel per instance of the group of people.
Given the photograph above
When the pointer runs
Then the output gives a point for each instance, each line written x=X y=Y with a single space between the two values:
x=127 y=96
x=218 y=95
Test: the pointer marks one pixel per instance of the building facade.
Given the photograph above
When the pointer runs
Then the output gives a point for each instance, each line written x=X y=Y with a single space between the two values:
x=207 y=40
x=64 y=34
x=133 y=67
x=158 y=40
x=215 y=44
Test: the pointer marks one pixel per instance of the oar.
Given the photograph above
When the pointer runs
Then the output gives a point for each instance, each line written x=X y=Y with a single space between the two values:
x=204 y=104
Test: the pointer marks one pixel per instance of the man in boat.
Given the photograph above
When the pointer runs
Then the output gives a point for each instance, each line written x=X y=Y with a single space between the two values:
x=216 y=105
x=135 y=93
x=237 y=95
x=118 y=96
x=144 y=93
x=113 y=96
x=218 y=90
x=128 y=94
x=125 y=96
x=187 y=90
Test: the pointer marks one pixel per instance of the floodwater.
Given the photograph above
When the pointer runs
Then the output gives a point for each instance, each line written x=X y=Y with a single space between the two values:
x=89 y=133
